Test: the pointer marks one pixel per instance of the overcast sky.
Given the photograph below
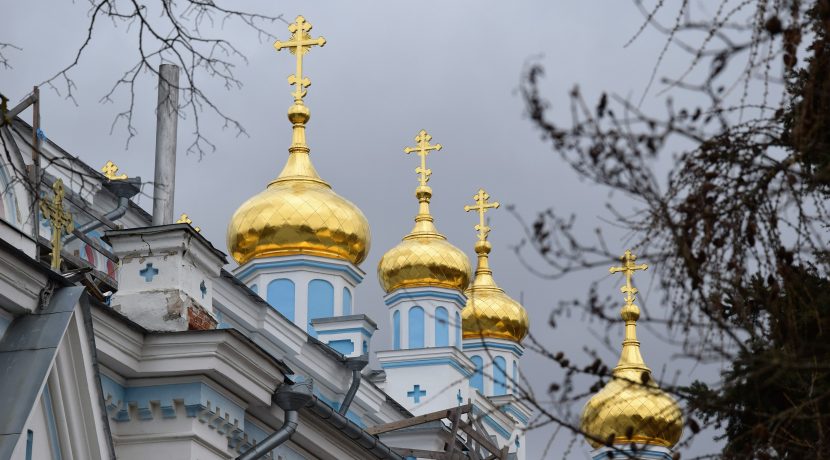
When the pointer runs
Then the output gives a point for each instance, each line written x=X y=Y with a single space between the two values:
x=388 y=70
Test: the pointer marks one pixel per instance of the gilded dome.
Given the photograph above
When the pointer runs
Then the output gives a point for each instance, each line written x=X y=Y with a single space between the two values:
x=490 y=313
x=424 y=257
x=298 y=213
x=631 y=411
x=630 y=408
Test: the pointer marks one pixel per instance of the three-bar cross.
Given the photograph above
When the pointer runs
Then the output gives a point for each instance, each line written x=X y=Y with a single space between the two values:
x=482 y=206
x=422 y=148
x=299 y=44
x=60 y=219
x=628 y=268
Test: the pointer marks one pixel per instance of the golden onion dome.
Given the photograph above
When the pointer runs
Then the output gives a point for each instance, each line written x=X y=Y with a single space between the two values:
x=424 y=257
x=490 y=313
x=631 y=408
x=298 y=213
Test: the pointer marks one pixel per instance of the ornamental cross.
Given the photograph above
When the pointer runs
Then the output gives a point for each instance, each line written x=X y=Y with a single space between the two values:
x=109 y=171
x=60 y=219
x=422 y=148
x=299 y=44
x=482 y=206
x=629 y=267
x=184 y=219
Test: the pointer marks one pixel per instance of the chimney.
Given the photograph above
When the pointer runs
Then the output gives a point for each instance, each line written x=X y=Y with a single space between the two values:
x=167 y=117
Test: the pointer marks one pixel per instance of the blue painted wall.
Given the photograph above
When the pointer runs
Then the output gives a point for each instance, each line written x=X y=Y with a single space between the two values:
x=345 y=347
x=320 y=302
x=477 y=379
x=416 y=327
x=499 y=376
x=281 y=296
x=347 y=301
x=442 y=327
x=515 y=376
x=396 y=330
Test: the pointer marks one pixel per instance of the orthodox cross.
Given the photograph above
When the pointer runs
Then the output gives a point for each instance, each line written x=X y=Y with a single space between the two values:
x=60 y=219
x=482 y=206
x=109 y=171
x=628 y=268
x=184 y=219
x=422 y=148
x=299 y=44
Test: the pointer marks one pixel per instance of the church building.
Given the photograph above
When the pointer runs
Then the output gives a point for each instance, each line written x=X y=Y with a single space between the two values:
x=128 y=335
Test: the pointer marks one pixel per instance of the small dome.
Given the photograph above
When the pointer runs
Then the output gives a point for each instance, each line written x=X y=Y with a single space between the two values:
x=632 y=412
x=489 y=311
x=424 y=258
x=420 y=261
x=298 y=216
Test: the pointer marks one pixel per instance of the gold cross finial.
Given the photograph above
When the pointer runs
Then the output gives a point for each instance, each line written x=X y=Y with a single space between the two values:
x=628 y=268
x=109 y=171
x=184 y=219
x=422 y=148
x=60 y=219
x=482 y=206
x=299 y=44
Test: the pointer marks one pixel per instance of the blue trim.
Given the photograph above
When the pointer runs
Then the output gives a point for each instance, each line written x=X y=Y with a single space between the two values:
x=344 y=347
x=479 y=345
x=347 y=330
x=493 y=424
x=458 y=342
x=347 y=301
x=459 y=299
x=509 y=409
x=51 y=425
x=281 y=295
x=320 y=302
x=416 y=327
x=300 y=263
x=427 y=362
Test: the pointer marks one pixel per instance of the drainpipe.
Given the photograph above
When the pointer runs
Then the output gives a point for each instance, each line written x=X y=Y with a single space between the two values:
x=356 y=364
x=167 y=117
x=124 y=190
x=290 y=398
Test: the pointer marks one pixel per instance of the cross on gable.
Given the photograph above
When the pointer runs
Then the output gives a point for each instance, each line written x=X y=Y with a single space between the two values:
x=109 y=171
x=60 y=220
x=482 y=206
x=416 y=393
x=148 y=272
x=299 y=44
x=422 y=148
x=628 y=268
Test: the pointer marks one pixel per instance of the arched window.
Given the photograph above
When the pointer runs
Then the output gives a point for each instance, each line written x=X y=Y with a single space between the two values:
x=458 y=330
x=477 y=379
x=416 y=327
x=442 y=327
x=347 y=301
x=281 y=296
x=396 y=330
x=320 y=302
x=8 y=204
x=499 y=376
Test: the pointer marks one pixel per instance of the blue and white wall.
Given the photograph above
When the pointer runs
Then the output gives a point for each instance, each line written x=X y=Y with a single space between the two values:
x=425 y=318
x=496 y=363
x=303 y=288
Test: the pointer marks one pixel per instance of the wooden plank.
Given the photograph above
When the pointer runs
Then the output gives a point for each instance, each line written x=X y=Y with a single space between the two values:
x=449 y=448
x=431 y=417
x=480 y=438
x=419 y=453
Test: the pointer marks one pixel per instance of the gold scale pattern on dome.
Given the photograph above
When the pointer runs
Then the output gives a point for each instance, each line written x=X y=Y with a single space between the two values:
x=630 y=408
x=298 y=213
x=489 y=311
x=424 y=258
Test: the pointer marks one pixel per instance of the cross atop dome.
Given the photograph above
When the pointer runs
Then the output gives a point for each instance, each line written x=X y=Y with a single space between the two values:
x=422 y=149
x=482 y=206
x=628 y=268
x=299 y=44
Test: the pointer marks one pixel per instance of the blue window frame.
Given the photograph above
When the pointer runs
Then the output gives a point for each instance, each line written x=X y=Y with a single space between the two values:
x=320 y=302
x=347 y=301
x=442 y=327
x=396 y=330
x=477 y=379
x=499 y=376
x=280 y=295
x=416 y=327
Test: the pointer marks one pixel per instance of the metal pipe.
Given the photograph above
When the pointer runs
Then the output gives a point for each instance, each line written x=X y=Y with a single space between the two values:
x=167 y=117
x=356 y=364
x=117 y=213
x=289 y=426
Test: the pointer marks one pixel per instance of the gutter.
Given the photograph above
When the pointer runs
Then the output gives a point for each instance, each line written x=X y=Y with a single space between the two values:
x=290 y=398
x=356 y=364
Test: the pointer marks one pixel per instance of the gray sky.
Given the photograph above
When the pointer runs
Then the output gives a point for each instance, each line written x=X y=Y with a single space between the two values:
x=388 y=70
